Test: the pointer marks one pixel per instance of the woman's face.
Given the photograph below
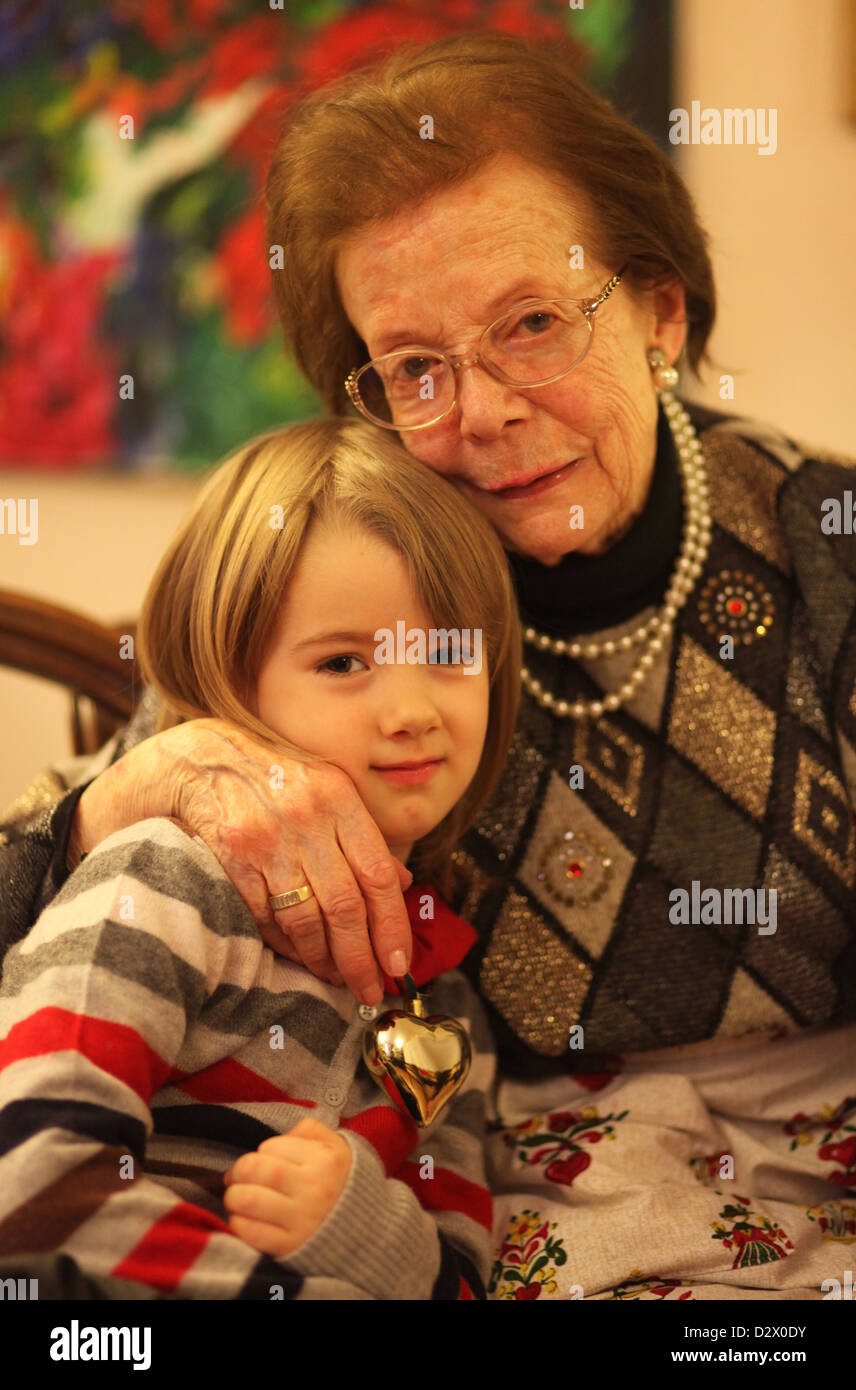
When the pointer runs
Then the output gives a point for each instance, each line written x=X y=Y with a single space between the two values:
x=437 y=274
x=323 y=685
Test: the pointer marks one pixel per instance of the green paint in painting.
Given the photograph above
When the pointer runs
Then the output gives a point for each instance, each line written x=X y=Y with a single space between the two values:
x=603 y=26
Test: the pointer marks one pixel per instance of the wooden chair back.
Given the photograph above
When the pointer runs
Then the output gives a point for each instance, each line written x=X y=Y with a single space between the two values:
x=58 y=644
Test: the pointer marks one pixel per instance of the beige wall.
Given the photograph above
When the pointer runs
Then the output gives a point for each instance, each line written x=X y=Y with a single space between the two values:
x=782 y=230
x=781 y=225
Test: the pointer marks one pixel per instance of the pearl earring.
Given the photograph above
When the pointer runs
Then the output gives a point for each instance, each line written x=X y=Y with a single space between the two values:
x=665 y=377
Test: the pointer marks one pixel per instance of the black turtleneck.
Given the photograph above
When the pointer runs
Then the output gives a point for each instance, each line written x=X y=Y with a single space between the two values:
x=584 y=593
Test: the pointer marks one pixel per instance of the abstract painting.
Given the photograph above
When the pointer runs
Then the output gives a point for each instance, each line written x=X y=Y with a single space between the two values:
x=137 y=328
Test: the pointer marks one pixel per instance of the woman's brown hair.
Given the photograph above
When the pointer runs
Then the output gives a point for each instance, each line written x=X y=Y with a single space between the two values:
x=353 y=155
x=212 y=606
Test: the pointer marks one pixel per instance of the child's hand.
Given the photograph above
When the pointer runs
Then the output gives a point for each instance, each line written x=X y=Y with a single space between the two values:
x=279 y=1195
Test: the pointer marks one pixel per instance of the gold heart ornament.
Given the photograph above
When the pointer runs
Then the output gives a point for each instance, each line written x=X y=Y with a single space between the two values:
x=419 y=1062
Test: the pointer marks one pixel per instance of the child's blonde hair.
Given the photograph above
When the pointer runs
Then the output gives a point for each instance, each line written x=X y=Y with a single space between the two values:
x=211 y=608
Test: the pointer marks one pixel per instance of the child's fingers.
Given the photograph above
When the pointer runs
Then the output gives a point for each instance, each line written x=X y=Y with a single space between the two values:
x=294 y=1154
x=262 y=1170
x=262 y=1204
x=301 y=1144
x=289 y=1149
x=297 y=1149
x=270 y=1240
x=306 y=1129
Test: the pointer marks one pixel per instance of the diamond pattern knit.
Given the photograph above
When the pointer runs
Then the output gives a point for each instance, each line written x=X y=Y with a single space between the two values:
x=736 y=772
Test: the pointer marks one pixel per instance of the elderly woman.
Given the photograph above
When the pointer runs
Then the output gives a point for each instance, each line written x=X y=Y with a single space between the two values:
x=480 y=254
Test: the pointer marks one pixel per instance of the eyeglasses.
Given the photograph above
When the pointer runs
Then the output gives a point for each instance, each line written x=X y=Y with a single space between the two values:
x=536 y=342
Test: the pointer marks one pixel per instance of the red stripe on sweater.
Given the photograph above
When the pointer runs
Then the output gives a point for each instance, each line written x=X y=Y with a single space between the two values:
x=391 y=1134
x=169 y=1247
x=448 y=1191
x=113 y=1047
x=230 y=1083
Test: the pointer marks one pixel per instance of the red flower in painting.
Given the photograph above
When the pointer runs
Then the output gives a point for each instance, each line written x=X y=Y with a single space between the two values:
x=358 y=37
x=529 y=1292
x=250 y=49
x=253 y=145
x=233 y=53
x=166 y=23
x=564 y=1170
x=157 y=20
x=365 y=33
x=244 y=277
x=516 y=17
x=58 y=383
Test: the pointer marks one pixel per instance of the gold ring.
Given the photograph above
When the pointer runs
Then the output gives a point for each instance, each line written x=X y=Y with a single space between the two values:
x=297 y=895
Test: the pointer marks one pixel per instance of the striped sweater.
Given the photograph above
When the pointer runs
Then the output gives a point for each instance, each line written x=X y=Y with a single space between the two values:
x=148 y=1038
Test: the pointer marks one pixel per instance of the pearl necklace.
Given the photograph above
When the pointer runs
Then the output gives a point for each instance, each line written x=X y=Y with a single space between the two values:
x=694 y=548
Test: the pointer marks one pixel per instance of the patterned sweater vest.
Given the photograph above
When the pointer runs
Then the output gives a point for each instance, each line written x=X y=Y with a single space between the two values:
x=726 y=773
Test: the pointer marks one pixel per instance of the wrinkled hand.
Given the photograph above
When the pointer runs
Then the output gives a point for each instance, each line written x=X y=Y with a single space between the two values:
x=273 y=824
x=278 y=1196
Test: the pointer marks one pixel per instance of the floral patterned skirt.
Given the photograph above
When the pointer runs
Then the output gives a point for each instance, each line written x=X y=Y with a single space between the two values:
x=692 y=1173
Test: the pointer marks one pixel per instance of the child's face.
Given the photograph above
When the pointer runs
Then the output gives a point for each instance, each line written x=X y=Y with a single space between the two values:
x=321 y=686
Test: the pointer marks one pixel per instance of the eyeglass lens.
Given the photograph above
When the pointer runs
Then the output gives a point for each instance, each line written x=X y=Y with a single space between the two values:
x=530 y=345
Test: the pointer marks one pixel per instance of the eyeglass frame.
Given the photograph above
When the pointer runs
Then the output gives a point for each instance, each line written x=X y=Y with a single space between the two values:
x=587 y=307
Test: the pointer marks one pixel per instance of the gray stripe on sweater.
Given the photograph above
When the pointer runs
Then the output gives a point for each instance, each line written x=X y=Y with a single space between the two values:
x=127 y=952
x=146 y=960
x=316 y=1026
x=176 y=871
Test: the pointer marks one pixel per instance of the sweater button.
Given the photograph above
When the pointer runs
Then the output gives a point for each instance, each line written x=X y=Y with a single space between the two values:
x=334 y=1097
x=367 y=1012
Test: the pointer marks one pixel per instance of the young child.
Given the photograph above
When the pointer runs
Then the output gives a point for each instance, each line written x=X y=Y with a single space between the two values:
x=180 y=1106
